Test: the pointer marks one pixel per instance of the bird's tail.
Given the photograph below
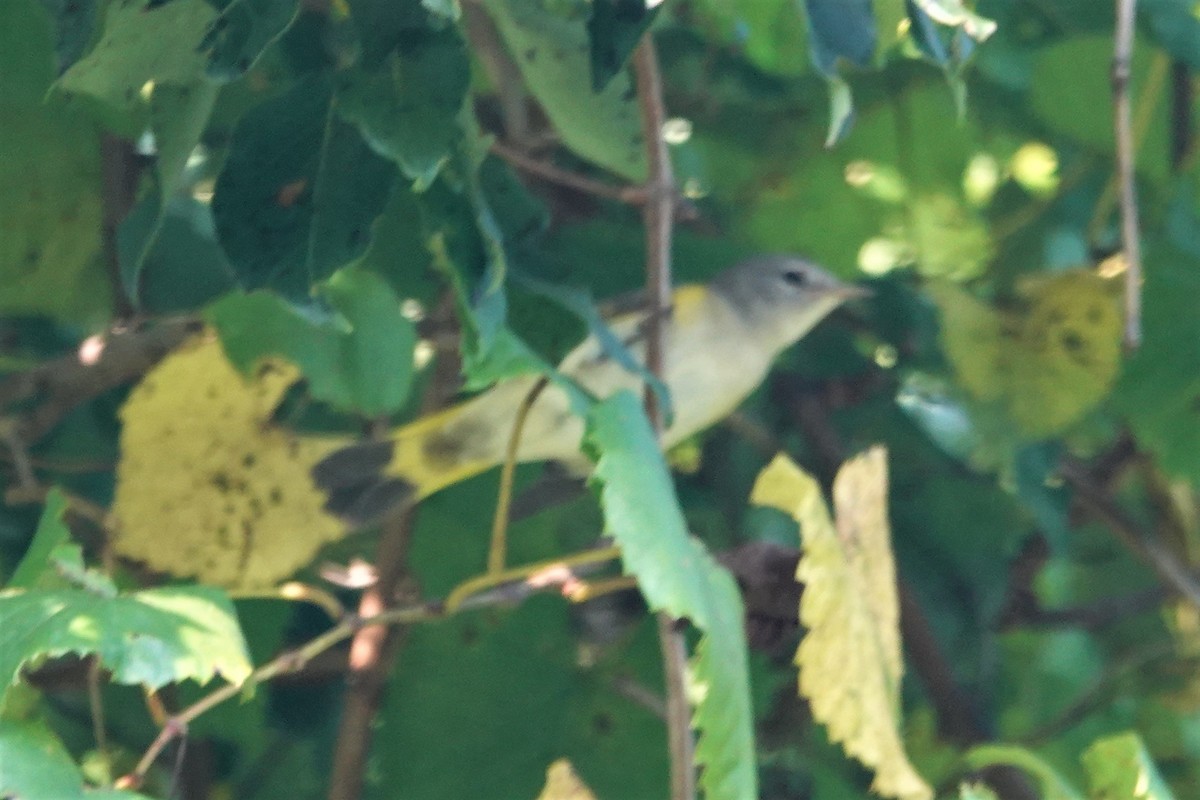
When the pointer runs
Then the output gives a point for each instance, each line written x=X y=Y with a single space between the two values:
x=364 y=480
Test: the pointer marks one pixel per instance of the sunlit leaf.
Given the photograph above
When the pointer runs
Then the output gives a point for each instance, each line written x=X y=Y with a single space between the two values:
x=677 y=575
x=142 y=45
x=152 y=638
x=849 y=659
x=1118 y=766
x=360 y=360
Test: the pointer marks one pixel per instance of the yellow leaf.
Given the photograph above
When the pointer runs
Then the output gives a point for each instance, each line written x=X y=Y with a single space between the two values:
x=206 y=486
x=562 y=783
x=1046 y=365
x=850 y=661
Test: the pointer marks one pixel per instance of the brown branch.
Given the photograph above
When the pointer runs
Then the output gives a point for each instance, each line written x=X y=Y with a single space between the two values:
x=633 y=195
x=658 y=214
x=58 y=386
x=374 y=648
x=1123 y=128
x=1170 y=570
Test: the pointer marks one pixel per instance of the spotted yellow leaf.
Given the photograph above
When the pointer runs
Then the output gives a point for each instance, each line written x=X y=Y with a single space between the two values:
x=206 y=486
x=1046 y=364
x=849 y=660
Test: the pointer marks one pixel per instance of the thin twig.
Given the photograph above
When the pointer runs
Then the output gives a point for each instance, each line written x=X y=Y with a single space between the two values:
x=659 y=217
x=1123 y=127
x=476 y=592
x=291 y=661
x=96 y=704
x=1142 y=543
x=498 y=549
x=633 y=195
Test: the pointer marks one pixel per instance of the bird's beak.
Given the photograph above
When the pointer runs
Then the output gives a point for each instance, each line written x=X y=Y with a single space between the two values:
x=851 y=291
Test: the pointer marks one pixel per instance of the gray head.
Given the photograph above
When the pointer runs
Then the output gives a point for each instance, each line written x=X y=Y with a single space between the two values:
x=781 y=297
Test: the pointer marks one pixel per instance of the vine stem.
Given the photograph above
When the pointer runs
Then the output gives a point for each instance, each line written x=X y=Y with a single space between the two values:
x=498 y=549
x=658 y=214
x=1123 y=130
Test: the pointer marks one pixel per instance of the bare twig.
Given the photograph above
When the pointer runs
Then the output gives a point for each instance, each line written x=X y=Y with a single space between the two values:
x=1123 y=127
x=291 y=661
x=96 y=706
x=1170 y=570
x=633 y=195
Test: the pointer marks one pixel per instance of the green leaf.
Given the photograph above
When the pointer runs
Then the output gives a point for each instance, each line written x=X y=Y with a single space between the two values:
x=614 y=29
x=1174 y=24
x=50 y=171
x=76 y=22
x=298 y=192
x=1053 y=785
x=140 y=45
x=51 y=533
x=679 y=577
x=34 y=764
x=383 y=24
x=360 y=360
x=549 y=42
x=170 y=259
x=771 y=34
x=527 y=691
x=408 y=108
x=152 y=638
x=178 y=116
x=1159 y=389
x=237 y=38
x=1080 y=107
x=1119 y=767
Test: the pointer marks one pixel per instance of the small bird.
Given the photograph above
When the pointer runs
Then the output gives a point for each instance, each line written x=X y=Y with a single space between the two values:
x=719 y=342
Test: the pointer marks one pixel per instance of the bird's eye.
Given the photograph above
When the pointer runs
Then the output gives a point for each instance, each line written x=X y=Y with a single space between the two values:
x=794 y=277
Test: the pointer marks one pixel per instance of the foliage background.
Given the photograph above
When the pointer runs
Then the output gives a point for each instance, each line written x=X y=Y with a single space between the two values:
x=160 y=160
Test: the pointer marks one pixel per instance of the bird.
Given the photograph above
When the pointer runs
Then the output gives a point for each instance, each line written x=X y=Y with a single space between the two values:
x=719 y=341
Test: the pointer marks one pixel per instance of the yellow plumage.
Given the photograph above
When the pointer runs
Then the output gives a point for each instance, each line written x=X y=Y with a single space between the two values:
x=719 y=342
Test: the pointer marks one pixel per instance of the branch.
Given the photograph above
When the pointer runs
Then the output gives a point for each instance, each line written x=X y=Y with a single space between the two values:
x=102 y=363
x=1123 y=128
x=1141 y=542
x=374 y=648
x=633 y=195
x=658 y=214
